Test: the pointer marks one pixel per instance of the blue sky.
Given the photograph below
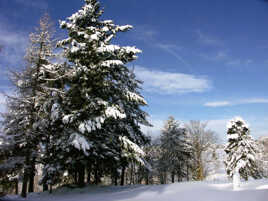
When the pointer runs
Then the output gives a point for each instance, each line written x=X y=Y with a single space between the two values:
x=202 y=60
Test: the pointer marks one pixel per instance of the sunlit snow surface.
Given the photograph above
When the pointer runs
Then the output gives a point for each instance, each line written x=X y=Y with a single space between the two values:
x=191 y=191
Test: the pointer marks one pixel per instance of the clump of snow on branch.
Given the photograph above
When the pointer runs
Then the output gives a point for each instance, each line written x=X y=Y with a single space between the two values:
x=109 y=63
x=67 y=119
x=114 y=112
x=135 y=97
x=80 y=142
x=55 y=112
x=132 y=150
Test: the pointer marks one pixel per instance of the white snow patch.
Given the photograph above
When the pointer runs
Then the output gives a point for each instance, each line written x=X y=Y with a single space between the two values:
x=80 y=142
x=114 y=112
x=185 y=191
x=263 y=187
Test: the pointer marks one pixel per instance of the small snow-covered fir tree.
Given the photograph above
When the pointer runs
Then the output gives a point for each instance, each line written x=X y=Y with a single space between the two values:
x=175 y=148
x=241 y=152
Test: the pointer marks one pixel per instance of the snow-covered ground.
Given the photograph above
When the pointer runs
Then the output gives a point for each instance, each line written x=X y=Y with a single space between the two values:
x=191 y=191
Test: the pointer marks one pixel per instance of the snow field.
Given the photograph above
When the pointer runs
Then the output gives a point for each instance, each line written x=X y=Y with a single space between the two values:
x=256 y=190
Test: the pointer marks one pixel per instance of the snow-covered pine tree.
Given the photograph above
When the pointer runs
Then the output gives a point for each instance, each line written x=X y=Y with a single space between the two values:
x=102 y=106
x=24 y=121
x=241 y=152
x=175 y=148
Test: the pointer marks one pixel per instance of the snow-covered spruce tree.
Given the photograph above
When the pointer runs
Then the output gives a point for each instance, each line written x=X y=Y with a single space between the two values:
x=175 y=148
x=24 y=122
x=241 y=152
x=102 y=105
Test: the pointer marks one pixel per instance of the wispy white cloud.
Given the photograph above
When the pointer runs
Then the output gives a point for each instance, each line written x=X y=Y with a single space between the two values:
x=239 y=102
x=148 y=36
x=208 y=39
x=255 y=100
x=221 y=54
x=144 y=33
x=218 y=56
x=171 y=83
x=224 y=57
x=173 y=50
x=217 y=104
x=234 y=62
x=237 y=62
x=248 y=61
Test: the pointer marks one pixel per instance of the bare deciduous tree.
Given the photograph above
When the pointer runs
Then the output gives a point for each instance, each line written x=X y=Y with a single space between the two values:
x=201 y=139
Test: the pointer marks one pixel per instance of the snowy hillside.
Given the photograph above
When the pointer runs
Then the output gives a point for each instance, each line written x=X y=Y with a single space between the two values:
x=191 y=191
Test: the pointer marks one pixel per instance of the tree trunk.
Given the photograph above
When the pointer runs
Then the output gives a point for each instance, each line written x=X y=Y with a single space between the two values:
x=89 y=174
x=24 y=186
x=142 y=172
x=147 y=177
x=172 y=177
x=75 y=177
x=25 y=177
x=96 y=175
x=115 y=180
x=114 y=175
x=17 y=187
x=179 y=177
x=199 y=170
x=31 y=181
x=31 y=177
x=123 y=176
x=81 y=175
x=236 y=179
x=50 y=188
x=179 y=174
x=187 y=171
x=45 y=187
x=200 y=174
x=163 y=178
x=131 y=173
